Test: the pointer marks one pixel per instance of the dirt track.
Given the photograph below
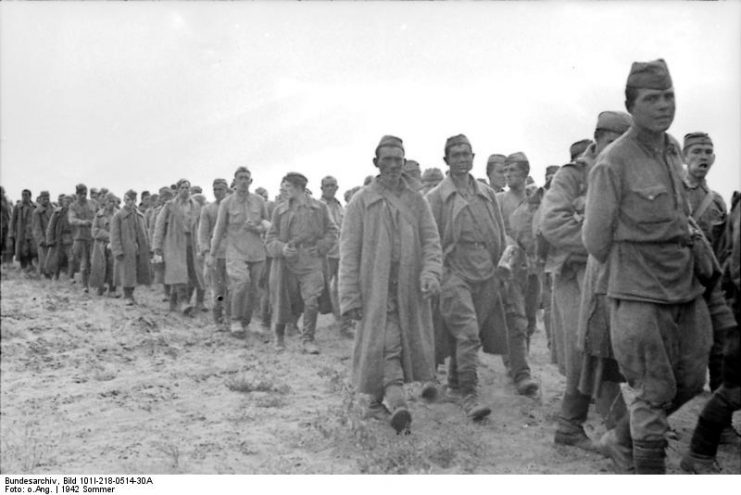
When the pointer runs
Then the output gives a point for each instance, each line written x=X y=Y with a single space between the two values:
x=88 y=385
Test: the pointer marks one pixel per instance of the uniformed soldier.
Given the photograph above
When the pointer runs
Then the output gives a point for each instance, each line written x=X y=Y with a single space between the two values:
x=472 y=236
x=336 y=213
x=390 y=263
x=636 y=220
x=709 y=211
x=241 y=222
x=430 y=178
x=495 y=172
x=218 y=276
x=561 y=225
x=578 y=148
x=81 y=215
x=515 y=287
x=301 y=233
x=41 y=216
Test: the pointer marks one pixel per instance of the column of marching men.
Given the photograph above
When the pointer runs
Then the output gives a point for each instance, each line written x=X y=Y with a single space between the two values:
x=632 y=258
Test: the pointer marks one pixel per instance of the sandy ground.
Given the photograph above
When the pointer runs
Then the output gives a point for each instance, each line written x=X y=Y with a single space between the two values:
x=89 y=385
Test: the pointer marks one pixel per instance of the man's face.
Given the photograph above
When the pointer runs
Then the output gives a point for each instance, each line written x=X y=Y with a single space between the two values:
x=219 y=192
x=44 y=201
x=146 y=202
x=460 y=159
x=329 y=189
x=654 y=109
x=496 y=175
x=111 y=202
x=604 y=140
x=66 y=201
x=549 y=177
x=242 y=181
x=129 y=202
x=293 y=192
x=515 y=176
x=82 y=194
x=390 y=161
x=184 y=190
x=699 y=158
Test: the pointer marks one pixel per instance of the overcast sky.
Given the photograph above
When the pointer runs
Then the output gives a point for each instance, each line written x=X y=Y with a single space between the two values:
x=138 y=95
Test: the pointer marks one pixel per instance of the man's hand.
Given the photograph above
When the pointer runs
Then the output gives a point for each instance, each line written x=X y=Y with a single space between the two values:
x=158 y=251
x=289 y=251
x=430 y=286
x=355 y=314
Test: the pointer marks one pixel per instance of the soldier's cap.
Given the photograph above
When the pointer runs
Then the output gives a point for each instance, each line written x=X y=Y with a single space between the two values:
x=80 y=188
x=130 y=194
x=455 y=141
x=516 y=157
x=145 y=194
x=578 y=148
x=649 y=75
x=196 y=190
x=44 y=193
x=221 y=182
x=614 y=121
x=181 y=182
x=296 y=179
x=696 y=138
x=104 y=191
x=165 y=190
x=410 y=165
x=389 y=141
x=432 y=174
x=26 y=191
x=93 y=190
x=552 y=169
x=329 y=179
x=496 y=157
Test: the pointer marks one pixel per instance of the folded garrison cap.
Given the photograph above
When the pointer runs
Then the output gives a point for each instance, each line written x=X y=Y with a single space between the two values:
x=649 y=75
x=456 y=140
x=696 y=138
x=614 y=121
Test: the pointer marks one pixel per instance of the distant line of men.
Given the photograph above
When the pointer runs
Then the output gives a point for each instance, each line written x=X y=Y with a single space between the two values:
x=626 y=248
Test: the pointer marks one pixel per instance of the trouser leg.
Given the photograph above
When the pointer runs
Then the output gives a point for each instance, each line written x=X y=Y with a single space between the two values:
x=662 y=352
x=517 y=331
x=715 y=416
x=459 y=313
x=311 y=286
x=239 y=283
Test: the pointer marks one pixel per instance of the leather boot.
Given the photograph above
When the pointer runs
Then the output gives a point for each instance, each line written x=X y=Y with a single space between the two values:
x=280 y=332
x=173 y=297
x=307 y=332
x=618 y=446
x=376 y=410
x=129 y=296
x=453 y=389
x=699 y=464
x=218 y=310
x=470 y=401
x=649 y=456
x=401 y=418
x=574 y=410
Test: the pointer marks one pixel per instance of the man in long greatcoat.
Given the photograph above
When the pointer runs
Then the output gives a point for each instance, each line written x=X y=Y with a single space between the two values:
x=21 y=232
x=41 y=216
x=390 y=265
x=561 y=225
x=175 y=237
x=101 y=260
x=59 y=240
x=130 y=247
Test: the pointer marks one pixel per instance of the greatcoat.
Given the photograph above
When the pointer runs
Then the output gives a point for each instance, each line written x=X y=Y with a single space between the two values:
x=169 y=236
x=101 y=238
x=129 y=238
x=365 y=264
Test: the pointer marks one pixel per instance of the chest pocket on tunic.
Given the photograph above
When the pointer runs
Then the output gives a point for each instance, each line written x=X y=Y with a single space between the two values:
x=651 y=204
x=236 y=214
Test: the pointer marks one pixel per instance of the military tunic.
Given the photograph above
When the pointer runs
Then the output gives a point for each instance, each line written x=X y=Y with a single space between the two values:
x=636 y=220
